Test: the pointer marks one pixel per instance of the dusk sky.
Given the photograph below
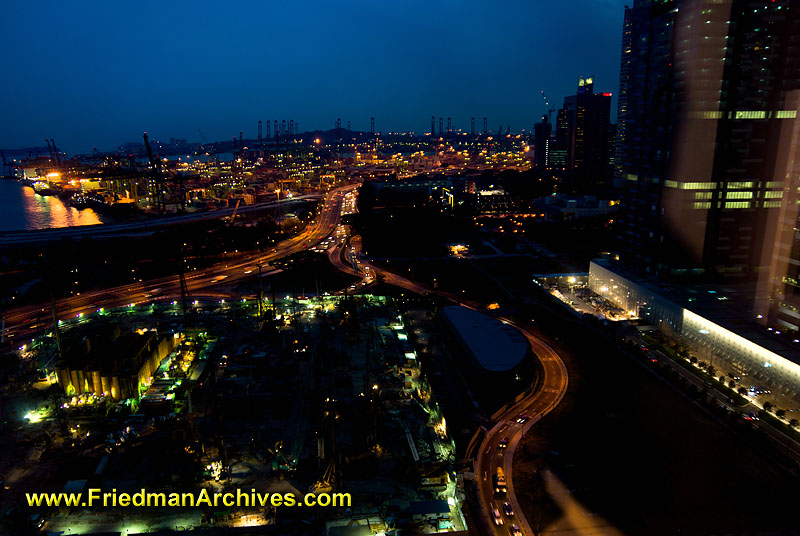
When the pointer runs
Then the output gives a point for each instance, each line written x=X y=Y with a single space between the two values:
x=100 y=73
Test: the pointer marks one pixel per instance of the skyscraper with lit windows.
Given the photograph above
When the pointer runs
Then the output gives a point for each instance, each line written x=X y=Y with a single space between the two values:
x=622 y=96
x=706 y=105
x=541 y=143
x=587 y=116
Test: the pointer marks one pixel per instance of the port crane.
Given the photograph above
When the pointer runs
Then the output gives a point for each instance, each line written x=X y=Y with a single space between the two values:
x=54 y=157
x=7 y=173
x=158 y=178
x=209 y=148
x=50 y=150
x=55 y=150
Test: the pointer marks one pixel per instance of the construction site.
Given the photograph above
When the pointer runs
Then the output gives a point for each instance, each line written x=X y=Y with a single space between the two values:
x=301 y=395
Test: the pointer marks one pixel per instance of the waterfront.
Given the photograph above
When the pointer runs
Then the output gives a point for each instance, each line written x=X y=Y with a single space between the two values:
x=23 y=209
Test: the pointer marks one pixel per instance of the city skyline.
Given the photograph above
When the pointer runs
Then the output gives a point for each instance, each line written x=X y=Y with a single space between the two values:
x=166 y=73
x=446 y=268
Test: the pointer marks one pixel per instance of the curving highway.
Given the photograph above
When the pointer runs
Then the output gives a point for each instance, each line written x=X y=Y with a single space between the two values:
x=499 y=444
x=23 y=322
x=509 y=431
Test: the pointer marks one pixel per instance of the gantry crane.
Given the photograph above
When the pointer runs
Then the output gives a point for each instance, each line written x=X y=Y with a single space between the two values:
x=7 y=168
x=158 y=178
x=55 y=150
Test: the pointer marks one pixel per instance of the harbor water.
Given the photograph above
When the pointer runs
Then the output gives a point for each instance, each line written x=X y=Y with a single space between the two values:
x=22 y=209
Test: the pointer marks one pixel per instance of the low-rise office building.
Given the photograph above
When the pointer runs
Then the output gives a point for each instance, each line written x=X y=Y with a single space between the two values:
x=716 y=319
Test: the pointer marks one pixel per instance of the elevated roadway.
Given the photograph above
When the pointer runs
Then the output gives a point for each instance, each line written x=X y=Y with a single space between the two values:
x=506 y=429
x=24 y=322
x=509 y=430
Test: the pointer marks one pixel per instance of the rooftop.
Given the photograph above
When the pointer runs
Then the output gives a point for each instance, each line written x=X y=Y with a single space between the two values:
x=496 y=346
x=729 y=305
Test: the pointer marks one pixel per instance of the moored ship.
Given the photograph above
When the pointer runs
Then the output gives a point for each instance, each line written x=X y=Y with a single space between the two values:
x=42 y=188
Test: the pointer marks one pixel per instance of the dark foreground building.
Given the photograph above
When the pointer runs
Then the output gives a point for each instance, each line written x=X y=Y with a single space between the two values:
x=541 y=143
x=111 y=364
x=587 y=116
x=708 y=103
x=499 y=362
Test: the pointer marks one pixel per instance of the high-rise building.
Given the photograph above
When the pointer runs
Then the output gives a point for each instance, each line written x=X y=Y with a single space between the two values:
x=612 y=146
x=622 y=96
x=541 y=143
x=587 y=120
x=708 y=104
x=558 y=152
x=778 y=292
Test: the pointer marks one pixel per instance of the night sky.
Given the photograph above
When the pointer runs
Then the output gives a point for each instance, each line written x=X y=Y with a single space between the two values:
x=101 y=73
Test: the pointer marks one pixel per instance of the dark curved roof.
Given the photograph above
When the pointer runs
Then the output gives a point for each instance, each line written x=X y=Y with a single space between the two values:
x=495 y=346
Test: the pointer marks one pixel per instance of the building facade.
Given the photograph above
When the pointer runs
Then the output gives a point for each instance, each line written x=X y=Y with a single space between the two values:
x=587 y=116
x=705 y=104
x=763 y=359
x=541 y=143
x=558 y=151
x=622 y=97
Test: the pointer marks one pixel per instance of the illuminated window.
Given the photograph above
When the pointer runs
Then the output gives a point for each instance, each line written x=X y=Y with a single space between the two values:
x=773 y=195
x=702 y=195
x=750 y=114
x=707 y=115
x=737 y=204
x=702 y=205
x=739 y=195
x=772 y=204
x=739 y=185
x=786 y=114
x=698 y=185
x=670 y=184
